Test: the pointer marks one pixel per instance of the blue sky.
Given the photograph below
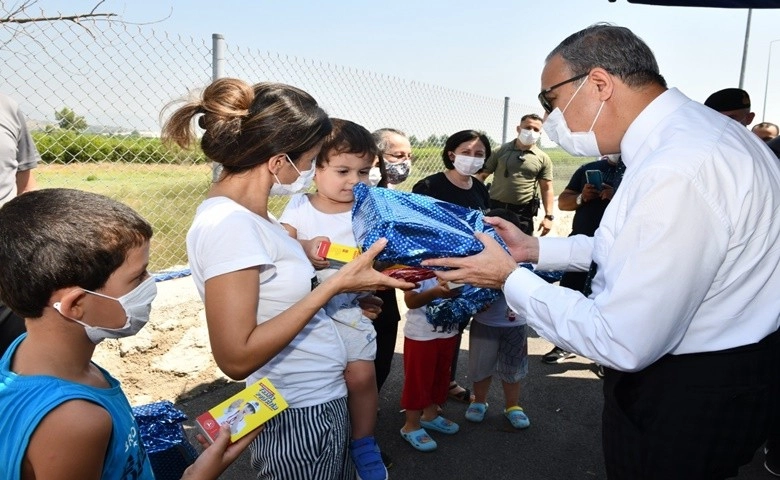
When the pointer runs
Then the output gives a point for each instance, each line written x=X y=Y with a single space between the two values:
x=494 y=48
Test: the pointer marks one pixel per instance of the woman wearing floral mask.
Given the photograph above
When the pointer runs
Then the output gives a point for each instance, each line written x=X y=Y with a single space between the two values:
x=263 y=308
x=464 y=155
x=395 y=158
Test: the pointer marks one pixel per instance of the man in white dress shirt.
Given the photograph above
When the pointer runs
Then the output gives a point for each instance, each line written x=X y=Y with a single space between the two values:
x=684 y=309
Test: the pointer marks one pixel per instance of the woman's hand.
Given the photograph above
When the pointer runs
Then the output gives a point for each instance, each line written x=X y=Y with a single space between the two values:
x=359 y=275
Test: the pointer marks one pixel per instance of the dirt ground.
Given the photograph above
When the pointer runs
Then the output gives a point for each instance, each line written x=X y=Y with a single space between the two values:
x=170 y=359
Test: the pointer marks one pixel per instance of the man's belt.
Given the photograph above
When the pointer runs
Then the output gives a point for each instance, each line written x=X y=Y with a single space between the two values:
x=524 y=208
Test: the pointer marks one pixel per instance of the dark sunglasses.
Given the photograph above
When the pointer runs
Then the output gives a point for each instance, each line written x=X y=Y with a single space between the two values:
x=546 y=104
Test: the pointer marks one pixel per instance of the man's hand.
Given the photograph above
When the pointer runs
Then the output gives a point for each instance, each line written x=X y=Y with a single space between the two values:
x=589 y=193
x=607 y=192
x=489 y=268
x=544 y=226
x=522 y=247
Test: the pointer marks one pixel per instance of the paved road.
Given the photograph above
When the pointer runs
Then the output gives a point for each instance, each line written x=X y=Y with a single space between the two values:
x=562 y=401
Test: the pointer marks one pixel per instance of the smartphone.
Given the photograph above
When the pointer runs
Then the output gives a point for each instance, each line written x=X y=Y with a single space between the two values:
x=594 y=178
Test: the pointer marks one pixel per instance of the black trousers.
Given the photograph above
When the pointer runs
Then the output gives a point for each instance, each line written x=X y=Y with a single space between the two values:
x=11 y=326
x=526 y=212
x=695 y=416
x=386 y=326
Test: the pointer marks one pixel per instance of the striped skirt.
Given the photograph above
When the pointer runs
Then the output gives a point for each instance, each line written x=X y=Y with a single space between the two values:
x=308 y=443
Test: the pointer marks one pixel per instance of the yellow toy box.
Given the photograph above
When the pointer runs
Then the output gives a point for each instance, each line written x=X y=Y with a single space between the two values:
x=244 y=411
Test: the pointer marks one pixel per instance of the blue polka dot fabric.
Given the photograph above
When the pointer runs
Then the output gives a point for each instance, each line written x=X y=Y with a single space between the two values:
x=417 y=227
x=170 y=453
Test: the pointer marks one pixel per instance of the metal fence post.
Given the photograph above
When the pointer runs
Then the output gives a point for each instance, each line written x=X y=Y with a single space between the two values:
x=217 y=72
x=506 y=119
x=217 y=56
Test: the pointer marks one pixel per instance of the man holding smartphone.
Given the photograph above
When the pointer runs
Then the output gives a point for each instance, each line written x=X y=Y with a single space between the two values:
x=587 y=194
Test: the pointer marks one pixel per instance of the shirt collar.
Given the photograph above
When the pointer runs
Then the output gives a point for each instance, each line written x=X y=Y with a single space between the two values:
x=533 y=148
x=644 y=124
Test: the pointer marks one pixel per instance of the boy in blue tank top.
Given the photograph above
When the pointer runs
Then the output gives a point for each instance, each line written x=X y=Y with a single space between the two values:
x=75 y=268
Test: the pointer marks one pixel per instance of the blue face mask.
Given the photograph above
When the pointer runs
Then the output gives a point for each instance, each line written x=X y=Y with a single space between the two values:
x=303 y=181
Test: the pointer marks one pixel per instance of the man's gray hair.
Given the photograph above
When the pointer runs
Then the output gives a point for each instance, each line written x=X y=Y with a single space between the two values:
x=380 y=137
x=615 y=49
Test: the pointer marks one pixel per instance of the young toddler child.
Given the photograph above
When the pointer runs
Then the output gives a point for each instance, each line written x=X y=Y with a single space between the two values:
x=427 y=362
x=498 y=344
x=326 y=215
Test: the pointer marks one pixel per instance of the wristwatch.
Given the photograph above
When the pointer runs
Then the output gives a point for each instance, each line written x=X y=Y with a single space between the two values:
x=579 y=199
x=549 y=217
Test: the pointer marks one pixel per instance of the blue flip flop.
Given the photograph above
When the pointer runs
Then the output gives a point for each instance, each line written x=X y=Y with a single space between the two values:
x=441 y=424
x=420 y=440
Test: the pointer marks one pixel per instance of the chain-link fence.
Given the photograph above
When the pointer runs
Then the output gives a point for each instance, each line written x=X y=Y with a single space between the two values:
x=95 y=93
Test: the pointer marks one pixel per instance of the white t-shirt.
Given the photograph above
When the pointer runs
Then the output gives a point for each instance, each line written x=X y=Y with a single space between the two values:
x=499 y=315
x=310 y=223
x=417 y=326
x=226 y=237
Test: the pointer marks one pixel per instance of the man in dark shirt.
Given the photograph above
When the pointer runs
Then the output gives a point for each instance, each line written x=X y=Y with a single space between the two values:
x=774 y=144
x=588 y=201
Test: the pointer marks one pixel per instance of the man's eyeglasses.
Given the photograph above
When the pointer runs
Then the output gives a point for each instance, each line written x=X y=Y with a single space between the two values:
x=400 y=156
x=546 y=104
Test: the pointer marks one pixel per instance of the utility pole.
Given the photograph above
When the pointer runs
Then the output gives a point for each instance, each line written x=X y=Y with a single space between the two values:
x=745 y=49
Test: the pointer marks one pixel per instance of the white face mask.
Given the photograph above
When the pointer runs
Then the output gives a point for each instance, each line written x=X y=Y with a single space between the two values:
x=528 y=137
x=137 y=304
x=467 y=165
x=374 y=176
x=303 y=181
x=579 y=144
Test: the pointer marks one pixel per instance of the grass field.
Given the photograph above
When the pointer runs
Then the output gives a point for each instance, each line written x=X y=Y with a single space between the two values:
x=167 y=195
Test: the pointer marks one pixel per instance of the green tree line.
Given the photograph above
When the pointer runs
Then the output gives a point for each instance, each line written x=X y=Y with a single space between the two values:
x=67 y=146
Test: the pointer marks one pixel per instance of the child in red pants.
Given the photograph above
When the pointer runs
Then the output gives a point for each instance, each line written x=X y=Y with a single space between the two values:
x=427 y=362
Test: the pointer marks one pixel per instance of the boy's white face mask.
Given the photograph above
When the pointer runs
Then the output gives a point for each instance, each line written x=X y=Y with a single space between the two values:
x=137 y=305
